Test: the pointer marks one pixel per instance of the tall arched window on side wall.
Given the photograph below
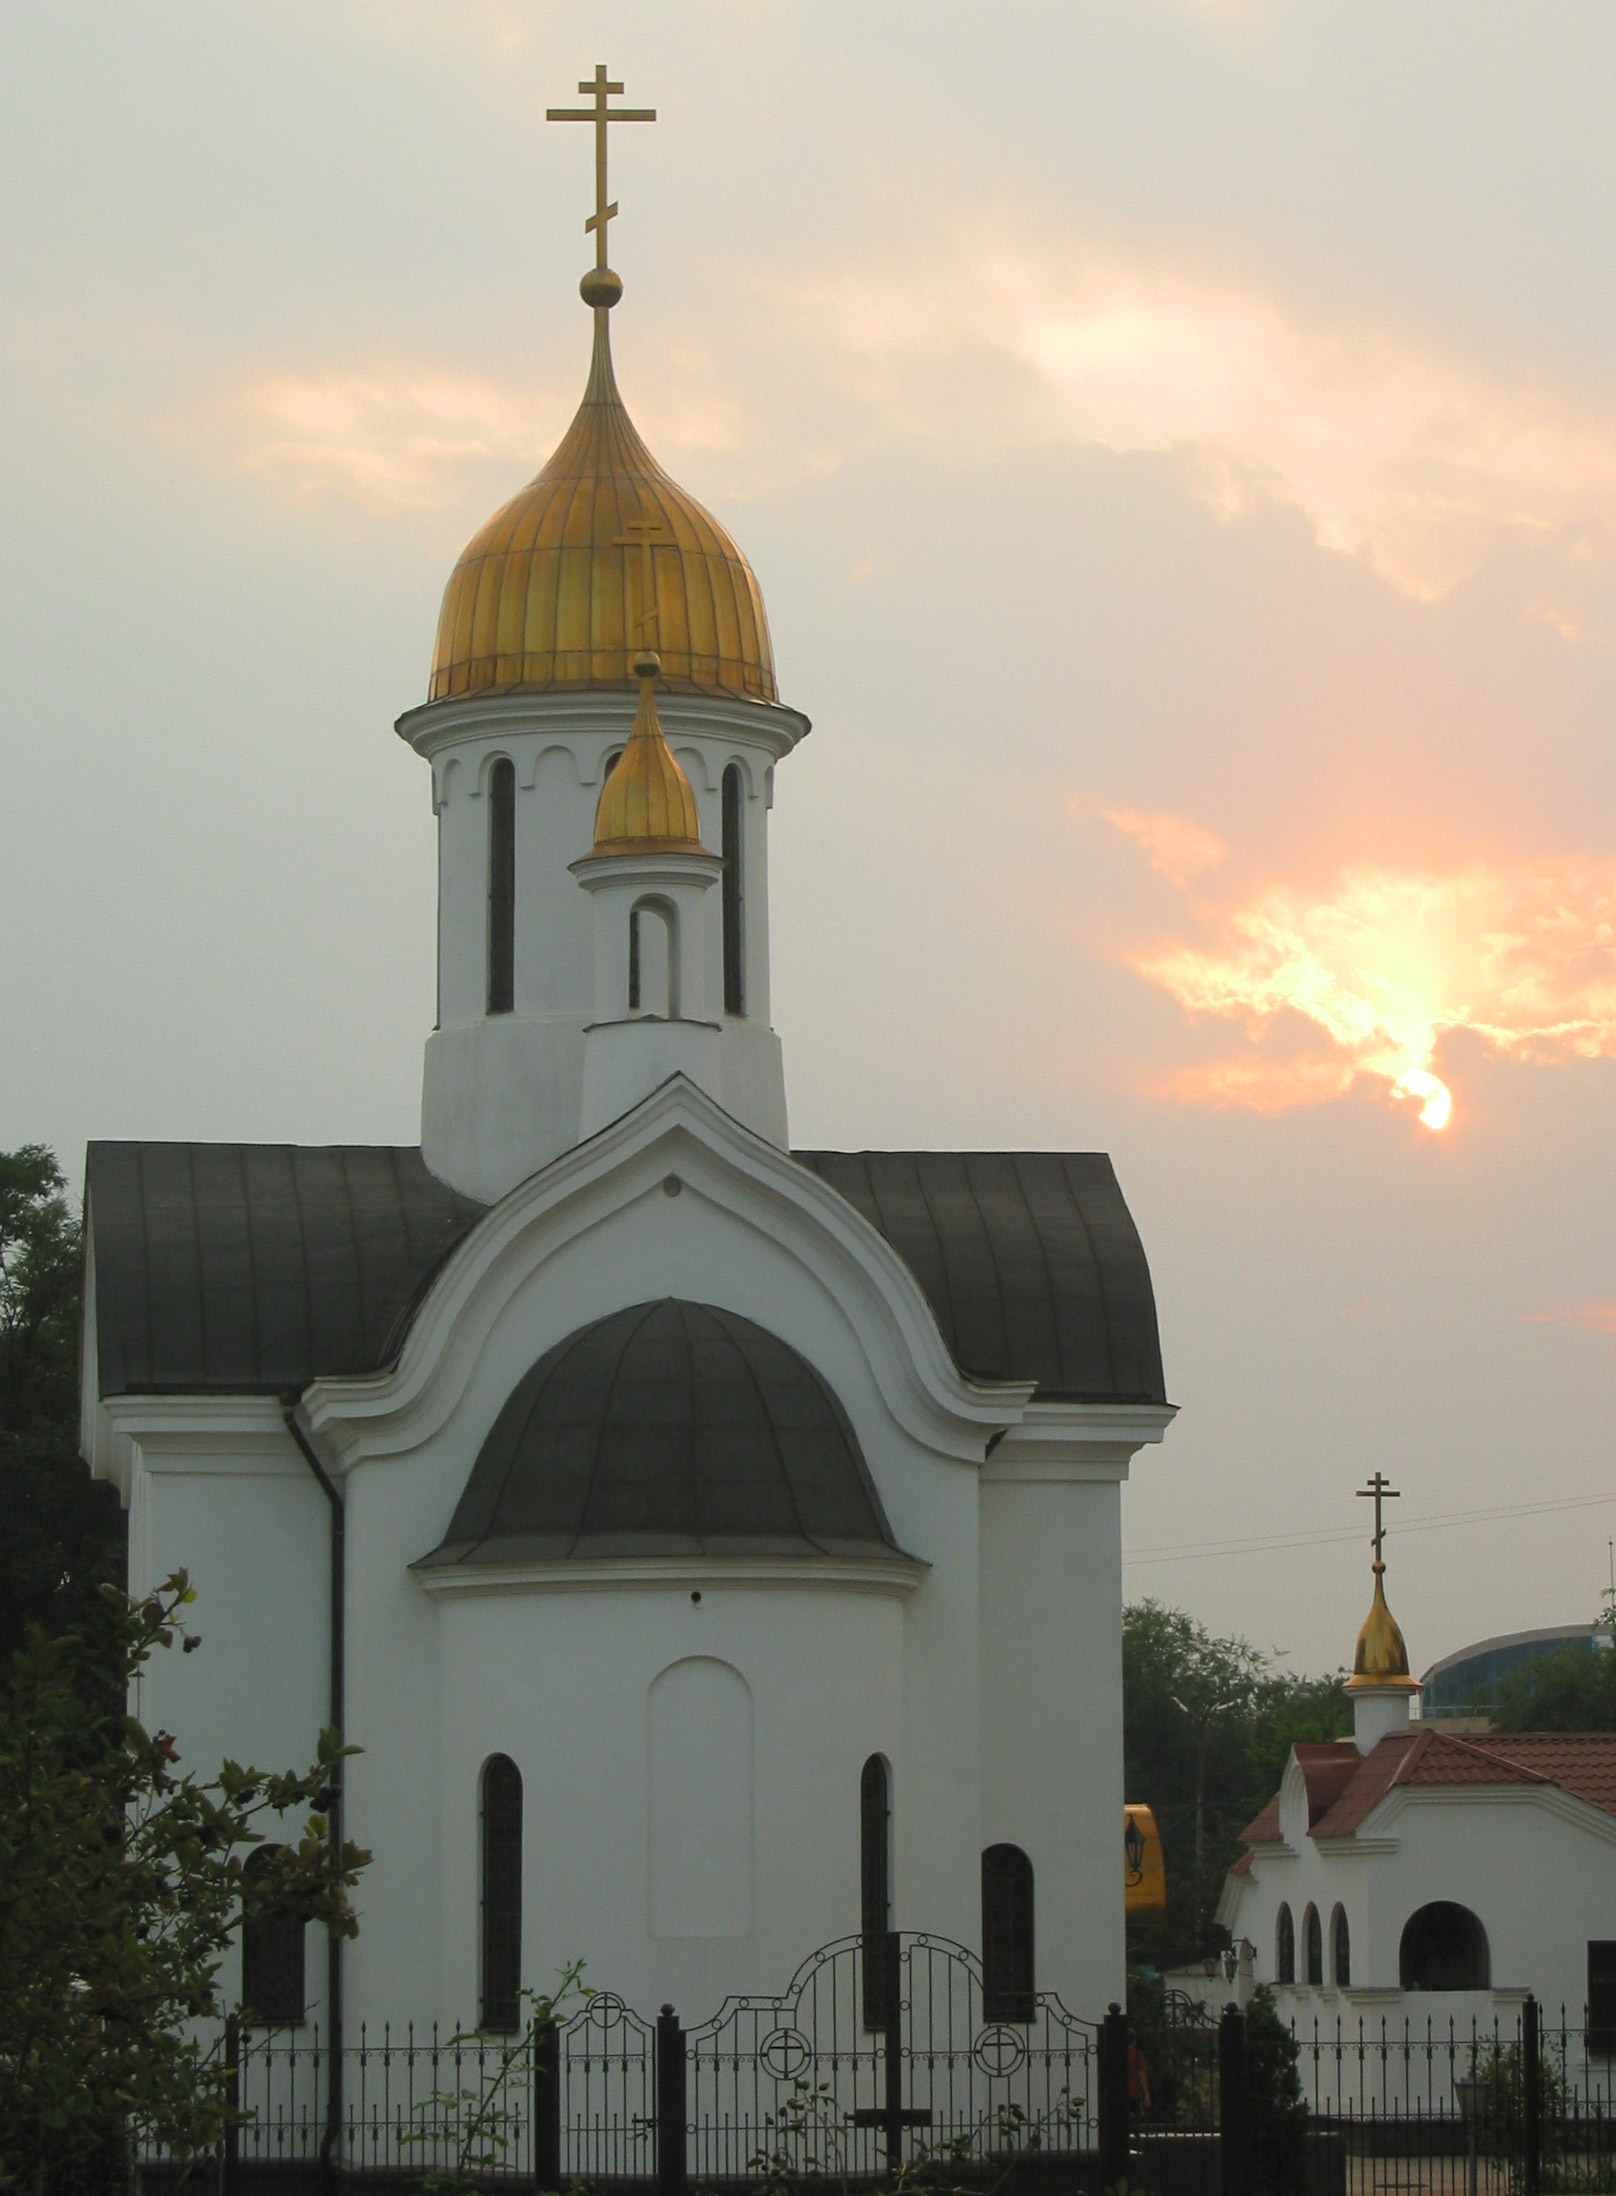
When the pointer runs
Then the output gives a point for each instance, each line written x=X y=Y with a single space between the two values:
x=734 y=893
x=1007 y=1934
x=501 y=1894
x=875 y=1884
x=502 y=887
x=272 y=1981
x=1340 y=1950
x=1313 y=1941
x=1285 y=1947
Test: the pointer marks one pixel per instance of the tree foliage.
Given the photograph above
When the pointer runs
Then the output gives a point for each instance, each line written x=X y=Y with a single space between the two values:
x=1208 y=1724
x=1574 y=1690
x=122 y=1885
x=61 y=1534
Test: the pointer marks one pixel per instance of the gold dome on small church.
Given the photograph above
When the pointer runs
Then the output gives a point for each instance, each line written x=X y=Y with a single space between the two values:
x=646 y=805
x=1380 y=1658
x=544 y=597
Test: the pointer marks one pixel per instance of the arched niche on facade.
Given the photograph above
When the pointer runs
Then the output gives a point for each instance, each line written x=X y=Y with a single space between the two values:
x=700 y=1713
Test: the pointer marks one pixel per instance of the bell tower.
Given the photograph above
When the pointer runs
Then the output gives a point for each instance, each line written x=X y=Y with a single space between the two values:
x=537 y=701
x=1380 y=1684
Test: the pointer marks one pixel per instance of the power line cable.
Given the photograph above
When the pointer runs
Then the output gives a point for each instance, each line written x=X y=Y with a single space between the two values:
x=1190 y=1551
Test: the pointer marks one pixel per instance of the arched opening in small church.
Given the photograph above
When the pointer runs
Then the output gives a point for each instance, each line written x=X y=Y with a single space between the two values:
x=653 y=959
x=1007 y=1934
x=1444 y=1947
x=1313 y=1943
x=502 y=887
x=875 y=1883
x=272 y=1977
x=734 y=892
x=500 y=1983
x=1285 y=1947
x=1340 y=1950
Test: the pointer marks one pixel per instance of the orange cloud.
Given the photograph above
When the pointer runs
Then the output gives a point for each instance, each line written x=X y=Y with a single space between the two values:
x=392 y=441
x=1381 y=963
x=1596 y=1315
x=1413 y=458
x=1176 y=845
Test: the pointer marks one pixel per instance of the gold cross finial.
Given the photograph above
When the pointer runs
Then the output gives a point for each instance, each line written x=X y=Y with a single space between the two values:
x=1379 y=1489
x=638 y=532
x=601 y=113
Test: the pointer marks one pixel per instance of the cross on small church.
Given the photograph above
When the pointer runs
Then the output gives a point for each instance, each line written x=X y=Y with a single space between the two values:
x=1379 y=1489
x=601 y=114
x=639 y=532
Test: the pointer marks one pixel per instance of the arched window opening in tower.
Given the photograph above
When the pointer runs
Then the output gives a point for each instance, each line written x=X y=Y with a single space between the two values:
x=1007 y=1934
x=272 y=1979
x=1285 y=1947
x=501 y=1895
x=502 y=887
x=1444 y=1947
x=653 y=960
x=875 y=1884
x=734 y=895
x=1313 y=1939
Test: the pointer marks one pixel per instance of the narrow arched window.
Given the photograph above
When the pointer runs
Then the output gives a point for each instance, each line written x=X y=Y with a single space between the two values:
x=272 y=1981
x=1007 y=1934
x=501 y=1894
x=1313 y=1938
x=1285 y=1947
x=502 y=887
x=634 y=961
x=875 y=1884
x=734 y=895
x=1341 y=1950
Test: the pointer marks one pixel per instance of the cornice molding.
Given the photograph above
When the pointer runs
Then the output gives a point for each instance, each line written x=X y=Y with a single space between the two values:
x=895 y=1575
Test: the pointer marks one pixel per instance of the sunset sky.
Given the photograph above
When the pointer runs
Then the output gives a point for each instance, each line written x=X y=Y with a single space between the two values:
x=1176 y=441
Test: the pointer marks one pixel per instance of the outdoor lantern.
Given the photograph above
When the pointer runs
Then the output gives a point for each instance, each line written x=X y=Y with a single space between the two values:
x=1133 y=1845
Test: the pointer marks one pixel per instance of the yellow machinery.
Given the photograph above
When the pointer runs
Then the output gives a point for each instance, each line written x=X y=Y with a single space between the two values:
x=1144 y=1872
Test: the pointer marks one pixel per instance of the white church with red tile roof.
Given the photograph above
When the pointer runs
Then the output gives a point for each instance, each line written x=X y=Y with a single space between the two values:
x=1412 y=1871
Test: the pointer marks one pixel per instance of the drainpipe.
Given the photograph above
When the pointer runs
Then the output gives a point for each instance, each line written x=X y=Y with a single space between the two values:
x=333 y=1942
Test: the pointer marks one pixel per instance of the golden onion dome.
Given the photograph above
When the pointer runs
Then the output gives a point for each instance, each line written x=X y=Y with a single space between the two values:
x=545 y=597
x=1380 y=1660
x=646 y=805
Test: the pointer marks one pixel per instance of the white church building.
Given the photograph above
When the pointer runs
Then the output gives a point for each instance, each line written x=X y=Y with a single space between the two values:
x=712 y=1547
x=1413 y=1877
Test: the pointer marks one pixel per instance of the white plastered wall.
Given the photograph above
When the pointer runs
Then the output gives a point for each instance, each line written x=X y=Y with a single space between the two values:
x=220 y=1490
x=1051 y=1560
x=557 y=1676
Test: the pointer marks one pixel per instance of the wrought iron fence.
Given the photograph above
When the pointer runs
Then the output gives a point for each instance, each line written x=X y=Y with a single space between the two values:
x=797 y=2085
x=1511 y=2108
x=802 y=2087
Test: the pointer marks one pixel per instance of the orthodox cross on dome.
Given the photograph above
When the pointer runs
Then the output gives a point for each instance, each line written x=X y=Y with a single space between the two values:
x=637 y=533
x=1379 y=1489
x=602 y=115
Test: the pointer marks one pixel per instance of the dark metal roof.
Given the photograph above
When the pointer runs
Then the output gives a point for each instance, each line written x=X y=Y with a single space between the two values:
x=260 y=1267
x=1030 y=1260
x=667 y=1429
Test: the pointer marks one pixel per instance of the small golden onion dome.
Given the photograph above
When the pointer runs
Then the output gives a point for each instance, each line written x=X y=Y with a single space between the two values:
x=545 y=597
x=646 y=805
x=1380 y=1660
